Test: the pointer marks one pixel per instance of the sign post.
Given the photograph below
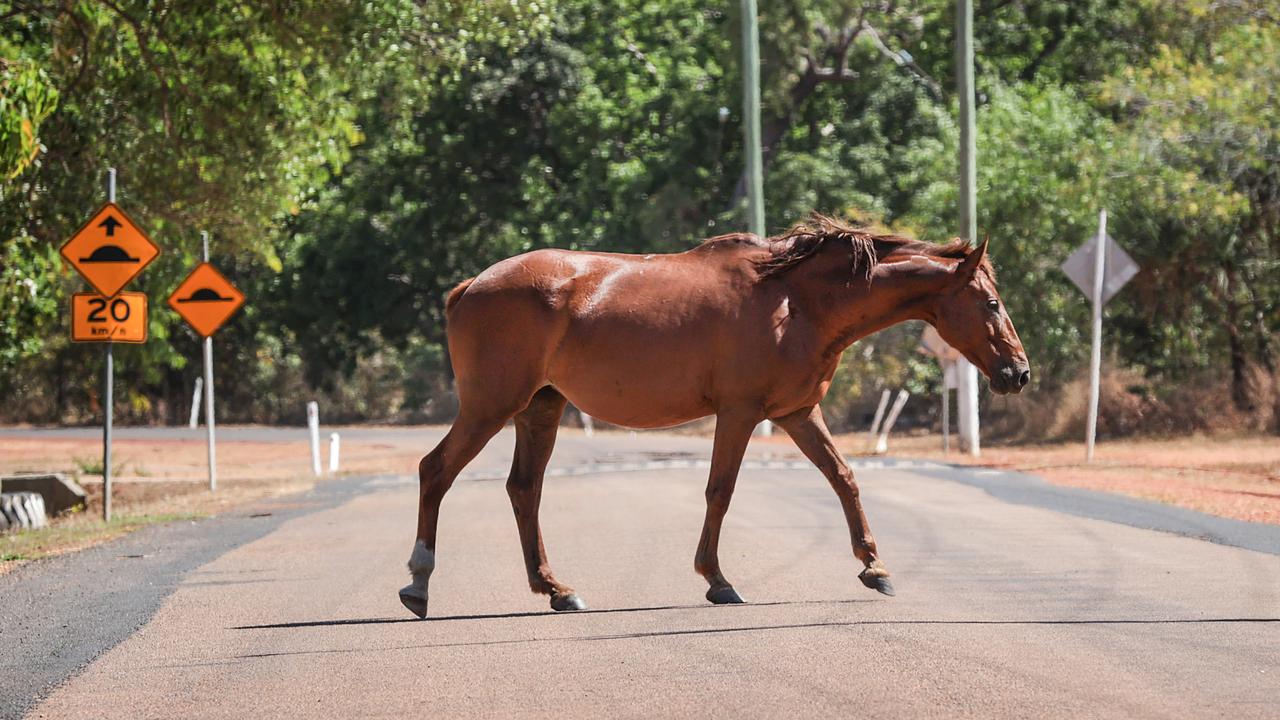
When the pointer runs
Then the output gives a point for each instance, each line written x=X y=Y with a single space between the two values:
x=208 y=385
x=206 y=300
x=931 y=343
x=1095 y=356
x=108 y=381
x=108 y=251
x=1099 y=268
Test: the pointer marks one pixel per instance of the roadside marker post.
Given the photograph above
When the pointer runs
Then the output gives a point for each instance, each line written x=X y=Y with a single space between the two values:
x=1099 y=267
x=206 y=299
x=313 y=424
x=194 y=421
x=875 y=422
x=882 y=443
x=108 y=251
x=335 y=446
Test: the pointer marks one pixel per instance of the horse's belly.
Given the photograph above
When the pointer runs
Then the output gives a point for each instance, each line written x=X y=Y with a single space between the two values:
x=643 y=383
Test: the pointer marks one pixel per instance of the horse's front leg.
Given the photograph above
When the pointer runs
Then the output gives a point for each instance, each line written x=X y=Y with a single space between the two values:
x=733 y=432
x=809 y=431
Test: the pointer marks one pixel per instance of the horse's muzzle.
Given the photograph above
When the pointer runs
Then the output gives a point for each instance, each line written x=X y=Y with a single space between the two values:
x=1011 y=378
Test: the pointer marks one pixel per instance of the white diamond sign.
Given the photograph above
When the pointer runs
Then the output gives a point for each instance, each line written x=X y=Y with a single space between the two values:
x=1118 y=268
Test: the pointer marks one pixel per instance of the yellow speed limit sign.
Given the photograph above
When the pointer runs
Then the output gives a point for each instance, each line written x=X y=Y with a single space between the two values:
x=97 y=318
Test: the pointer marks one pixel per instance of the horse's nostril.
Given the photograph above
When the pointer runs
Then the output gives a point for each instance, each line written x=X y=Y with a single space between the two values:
x=1024 y=378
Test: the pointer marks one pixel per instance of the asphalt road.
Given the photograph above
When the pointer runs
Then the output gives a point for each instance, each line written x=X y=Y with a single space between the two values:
x=1014 y=599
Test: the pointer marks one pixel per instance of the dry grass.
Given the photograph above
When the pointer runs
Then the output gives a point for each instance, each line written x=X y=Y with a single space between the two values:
x=1229 y=476
x=165 y=480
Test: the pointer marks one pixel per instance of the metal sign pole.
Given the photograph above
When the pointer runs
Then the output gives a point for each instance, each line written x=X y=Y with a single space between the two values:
x=1095 y=360
x=108 y=392
x=208 y=389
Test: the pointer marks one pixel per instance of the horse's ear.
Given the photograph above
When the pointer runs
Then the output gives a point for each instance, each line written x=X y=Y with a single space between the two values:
x=972 y=261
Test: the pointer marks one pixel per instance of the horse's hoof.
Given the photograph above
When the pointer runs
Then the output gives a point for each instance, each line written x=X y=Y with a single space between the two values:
x=563 y=603
x=724 y=596
x=415 y=599
x=879 y=583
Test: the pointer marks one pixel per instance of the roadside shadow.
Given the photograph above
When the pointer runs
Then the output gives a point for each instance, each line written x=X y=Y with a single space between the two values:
x=536 y=613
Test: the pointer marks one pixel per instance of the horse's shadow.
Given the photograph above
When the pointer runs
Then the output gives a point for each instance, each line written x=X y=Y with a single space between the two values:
x=834 y=623
x=527 y=614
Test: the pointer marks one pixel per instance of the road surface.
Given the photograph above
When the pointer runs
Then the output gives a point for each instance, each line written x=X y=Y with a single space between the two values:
x=1014 y=599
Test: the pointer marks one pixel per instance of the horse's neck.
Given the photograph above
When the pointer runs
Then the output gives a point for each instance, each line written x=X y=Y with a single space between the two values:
x=848 y=307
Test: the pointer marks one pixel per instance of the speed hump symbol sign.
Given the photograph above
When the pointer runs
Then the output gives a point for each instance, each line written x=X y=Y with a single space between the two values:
x=109 y=250
x=97 y=318
x=206 y=299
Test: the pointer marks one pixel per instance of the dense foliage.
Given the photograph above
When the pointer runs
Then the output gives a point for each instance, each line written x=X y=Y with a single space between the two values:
x=355 y=160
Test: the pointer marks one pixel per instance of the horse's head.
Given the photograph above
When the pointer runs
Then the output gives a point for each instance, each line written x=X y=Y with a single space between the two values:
x=970 y=316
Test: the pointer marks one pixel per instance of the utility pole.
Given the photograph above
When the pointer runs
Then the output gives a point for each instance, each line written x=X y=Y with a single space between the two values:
x=751 y=130
x=751 y=117
x=966 y=373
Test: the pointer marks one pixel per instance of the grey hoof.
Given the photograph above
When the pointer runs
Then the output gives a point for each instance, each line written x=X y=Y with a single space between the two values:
x=563 y=603
x=415 y=599
x=725 y=596
x=879 y=583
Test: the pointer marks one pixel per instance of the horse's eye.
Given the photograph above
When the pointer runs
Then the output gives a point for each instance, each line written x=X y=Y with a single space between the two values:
x=993 y=304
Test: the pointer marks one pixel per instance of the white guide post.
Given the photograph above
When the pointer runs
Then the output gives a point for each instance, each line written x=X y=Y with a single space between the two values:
x=946 y=418
x=588 y=424
x=313 y=423
x=882 y=444
x=1095 y=358
x=875 y=422
x=194 y=420
x=208 y=388
x=967 y=406
x=334 y=447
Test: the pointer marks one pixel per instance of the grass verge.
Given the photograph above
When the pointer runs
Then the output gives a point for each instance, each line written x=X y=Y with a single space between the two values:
x=75 y=532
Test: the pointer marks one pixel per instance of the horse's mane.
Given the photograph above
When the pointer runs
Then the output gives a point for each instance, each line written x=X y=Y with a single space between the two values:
x=805 y=239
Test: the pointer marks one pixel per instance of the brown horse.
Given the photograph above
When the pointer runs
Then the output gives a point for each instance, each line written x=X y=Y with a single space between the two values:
x=739 y=327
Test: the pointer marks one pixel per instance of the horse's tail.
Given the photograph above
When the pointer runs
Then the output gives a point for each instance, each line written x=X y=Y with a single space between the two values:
x=456 y=294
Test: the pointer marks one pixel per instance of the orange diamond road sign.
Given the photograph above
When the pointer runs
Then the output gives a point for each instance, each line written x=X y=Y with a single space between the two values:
x=96 y=318
x=206 y=299
x=109 y=250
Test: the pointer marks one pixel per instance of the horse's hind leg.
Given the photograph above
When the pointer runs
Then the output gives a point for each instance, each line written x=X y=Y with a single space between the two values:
x=536 y=428
x=733 y=432
x=436 y=474
x=809 y=431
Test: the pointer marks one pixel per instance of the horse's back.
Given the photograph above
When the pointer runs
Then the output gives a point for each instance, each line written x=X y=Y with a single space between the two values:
x=582 y=281
x=613 y=332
